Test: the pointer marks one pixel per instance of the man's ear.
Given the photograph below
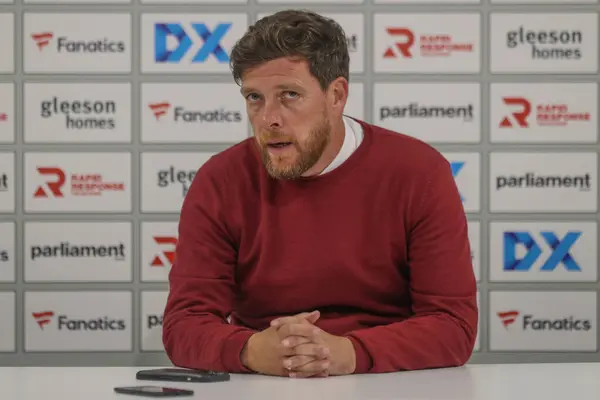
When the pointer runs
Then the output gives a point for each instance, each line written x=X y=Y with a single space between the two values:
x=339 y=91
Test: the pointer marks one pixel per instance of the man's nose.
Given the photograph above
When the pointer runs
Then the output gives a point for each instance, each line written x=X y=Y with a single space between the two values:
x=272 y=113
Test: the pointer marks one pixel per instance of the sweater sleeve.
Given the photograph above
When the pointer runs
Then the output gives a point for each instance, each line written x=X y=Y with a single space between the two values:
x=196 y=333
x=443 y=328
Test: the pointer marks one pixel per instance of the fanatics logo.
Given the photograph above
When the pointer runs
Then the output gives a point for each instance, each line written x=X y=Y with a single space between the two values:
x=42 y=39
x=166 y=257
x=407 y=43
x=43 y=318
x=508 y=317
x=160 y=109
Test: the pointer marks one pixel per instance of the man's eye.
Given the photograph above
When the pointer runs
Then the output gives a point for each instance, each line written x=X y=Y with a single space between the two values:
x=291 y=94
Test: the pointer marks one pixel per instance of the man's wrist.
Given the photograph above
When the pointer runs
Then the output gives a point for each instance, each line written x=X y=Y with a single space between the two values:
x=245 y=354
x=350 y=362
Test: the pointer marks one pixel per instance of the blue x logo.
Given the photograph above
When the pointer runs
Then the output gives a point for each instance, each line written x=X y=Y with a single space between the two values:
x=211 y=45
x=457 y=166
x=560 y=251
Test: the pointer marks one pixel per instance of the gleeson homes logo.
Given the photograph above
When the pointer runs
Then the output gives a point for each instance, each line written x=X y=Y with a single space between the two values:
x=557 y=42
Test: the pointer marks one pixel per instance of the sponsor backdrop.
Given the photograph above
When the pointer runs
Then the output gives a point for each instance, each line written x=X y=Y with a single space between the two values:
x=108 y=107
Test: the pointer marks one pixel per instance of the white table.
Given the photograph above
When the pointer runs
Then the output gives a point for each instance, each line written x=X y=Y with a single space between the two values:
x=473 y=382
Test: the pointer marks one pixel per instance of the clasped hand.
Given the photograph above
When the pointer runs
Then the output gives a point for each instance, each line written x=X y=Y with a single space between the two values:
x=293 y=346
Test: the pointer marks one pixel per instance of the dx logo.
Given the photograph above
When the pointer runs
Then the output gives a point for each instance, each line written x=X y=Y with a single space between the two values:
x=172 y=42
x=456 y=167
x=560 y=251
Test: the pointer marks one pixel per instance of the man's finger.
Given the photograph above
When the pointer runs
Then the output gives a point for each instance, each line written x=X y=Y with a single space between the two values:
x=292 y=363
x=287 y=345
x=308 y=349
x=311 y=317
x=323 y=374
x=308 y=331
x=309 y=369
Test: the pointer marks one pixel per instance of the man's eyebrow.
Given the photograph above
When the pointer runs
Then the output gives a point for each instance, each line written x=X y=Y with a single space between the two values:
x=245 y=90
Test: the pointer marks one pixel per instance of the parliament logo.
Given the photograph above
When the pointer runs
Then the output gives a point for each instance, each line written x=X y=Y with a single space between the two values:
x=431 y=112
x=427 y=43
x=545 y=43
x=544 y=113
x=189 y=42
x=56 y=43
x=543 y=182
x=353 y=26
x=78 y=251
x=152 y=307
x=543 y=321
x=7 y=182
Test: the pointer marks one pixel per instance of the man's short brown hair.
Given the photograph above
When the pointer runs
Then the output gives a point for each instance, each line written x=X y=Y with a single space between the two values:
x=296 y=34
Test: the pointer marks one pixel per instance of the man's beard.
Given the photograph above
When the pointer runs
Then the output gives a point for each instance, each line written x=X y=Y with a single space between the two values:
x=308 y=153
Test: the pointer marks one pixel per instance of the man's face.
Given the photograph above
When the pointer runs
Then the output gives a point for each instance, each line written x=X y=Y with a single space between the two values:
x=289 y=114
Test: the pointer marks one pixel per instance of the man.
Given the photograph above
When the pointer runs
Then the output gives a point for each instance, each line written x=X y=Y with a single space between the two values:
x=323 y=245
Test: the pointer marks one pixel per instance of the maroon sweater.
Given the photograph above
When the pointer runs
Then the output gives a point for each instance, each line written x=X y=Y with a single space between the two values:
x=379 y=245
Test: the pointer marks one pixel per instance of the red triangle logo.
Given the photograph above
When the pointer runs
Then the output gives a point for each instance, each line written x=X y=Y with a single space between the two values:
x=389 y=53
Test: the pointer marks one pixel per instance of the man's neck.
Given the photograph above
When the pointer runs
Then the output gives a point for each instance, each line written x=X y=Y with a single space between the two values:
x=338 y=133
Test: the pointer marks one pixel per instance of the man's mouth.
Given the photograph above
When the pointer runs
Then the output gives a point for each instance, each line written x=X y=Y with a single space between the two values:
x=278 y=145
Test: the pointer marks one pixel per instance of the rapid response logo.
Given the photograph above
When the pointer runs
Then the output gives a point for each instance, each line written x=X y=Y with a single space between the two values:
x=58 y=183
x=523 y=113
x=408 y=43
x=166 y=257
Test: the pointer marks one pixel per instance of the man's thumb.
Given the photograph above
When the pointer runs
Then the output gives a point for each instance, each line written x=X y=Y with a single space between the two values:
x=313 y=316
